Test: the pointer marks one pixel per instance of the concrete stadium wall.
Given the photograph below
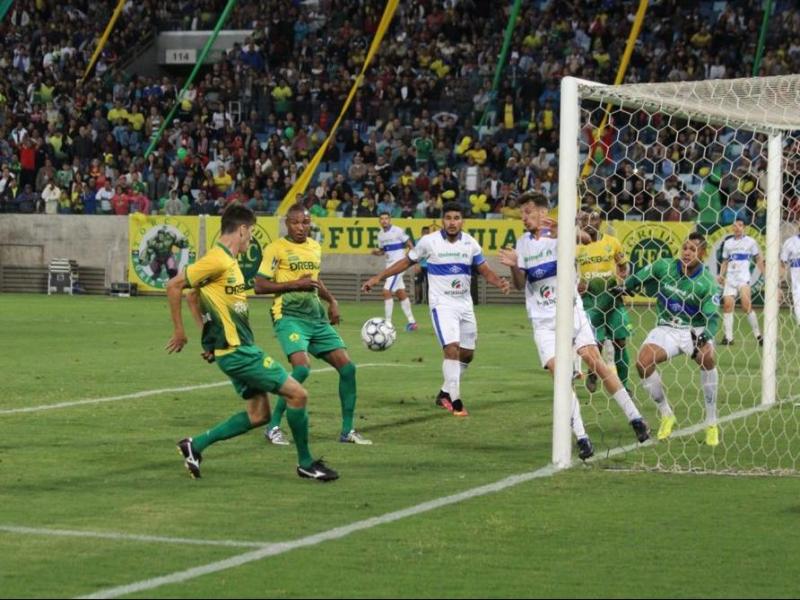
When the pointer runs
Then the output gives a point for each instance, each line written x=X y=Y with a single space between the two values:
x=102 y=241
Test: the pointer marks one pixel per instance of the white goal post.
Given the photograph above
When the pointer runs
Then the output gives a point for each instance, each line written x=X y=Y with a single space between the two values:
x=768 y=107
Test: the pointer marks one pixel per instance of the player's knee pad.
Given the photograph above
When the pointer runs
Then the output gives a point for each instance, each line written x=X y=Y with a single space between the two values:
x=301 y=373
x=348 y=371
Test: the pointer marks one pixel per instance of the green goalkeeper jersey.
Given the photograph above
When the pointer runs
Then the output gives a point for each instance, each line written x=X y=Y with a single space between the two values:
x=683 y=300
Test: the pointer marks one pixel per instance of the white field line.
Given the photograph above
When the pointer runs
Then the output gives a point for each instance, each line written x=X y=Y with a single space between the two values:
x=146 y=393
x=125 y=537
x=341 y=532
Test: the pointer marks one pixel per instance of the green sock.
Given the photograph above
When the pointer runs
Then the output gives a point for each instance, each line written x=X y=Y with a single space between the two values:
x=622 y=363
x=299 y=373
x=236 y=425
x=347 y=396
x=298 y=423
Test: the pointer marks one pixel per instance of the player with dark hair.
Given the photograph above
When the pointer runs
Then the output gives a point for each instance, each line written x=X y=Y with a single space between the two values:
x=451 y=255
x=734 y=276
x=534 y=268
x=688 y=319
x=224 y=313
x=602 y=265
x=290 y=270
x=393 y=243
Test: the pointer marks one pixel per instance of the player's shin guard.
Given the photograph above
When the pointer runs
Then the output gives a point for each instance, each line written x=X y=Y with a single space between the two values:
x=347 y=395
x=451 y=369
x=236 y=425
x=752 y=318
x=406 y=306
x=388 y=308
x=300 y=373
x=710 y=382
x=655 y=388
x=298 y=423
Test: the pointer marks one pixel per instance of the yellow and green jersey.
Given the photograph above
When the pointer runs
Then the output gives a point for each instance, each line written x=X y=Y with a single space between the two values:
x=597 y=266
x=226 y=321
x=285 y=261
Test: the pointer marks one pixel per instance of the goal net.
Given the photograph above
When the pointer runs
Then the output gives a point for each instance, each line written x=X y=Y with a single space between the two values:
x=648 y=164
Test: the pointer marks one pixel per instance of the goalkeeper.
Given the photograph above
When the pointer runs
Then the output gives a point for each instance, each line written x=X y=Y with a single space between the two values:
x=602 y=265
x=688 y=319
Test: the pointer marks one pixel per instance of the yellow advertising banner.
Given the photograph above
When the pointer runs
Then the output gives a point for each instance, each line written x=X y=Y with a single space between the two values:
x=646 y=241
x=360 y=236
x=159 y=248
x=265 y=232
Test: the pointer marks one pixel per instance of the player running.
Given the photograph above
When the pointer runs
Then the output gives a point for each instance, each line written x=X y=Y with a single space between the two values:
x=734 y=276
x=790 y=259
x=393 y=243
x=451 y=256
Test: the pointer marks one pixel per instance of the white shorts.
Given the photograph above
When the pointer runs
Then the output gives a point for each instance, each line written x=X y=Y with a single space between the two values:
x=544 y=334
x=455 y=325
x=733 y=284
x=394 y=283
x=673 y=340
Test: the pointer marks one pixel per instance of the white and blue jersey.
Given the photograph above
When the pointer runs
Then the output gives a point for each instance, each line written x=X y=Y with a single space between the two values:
x=537 y=259
x=449 y=266
x=449 y=277
x=790 y=256
x=739 y=252
x=393 y=243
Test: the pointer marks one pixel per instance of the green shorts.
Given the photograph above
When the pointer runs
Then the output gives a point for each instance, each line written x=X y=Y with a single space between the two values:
x=610 y=324
x=252 y=371
x=315 y=337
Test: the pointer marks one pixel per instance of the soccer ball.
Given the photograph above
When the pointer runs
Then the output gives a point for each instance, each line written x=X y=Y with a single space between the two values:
x=378 y=334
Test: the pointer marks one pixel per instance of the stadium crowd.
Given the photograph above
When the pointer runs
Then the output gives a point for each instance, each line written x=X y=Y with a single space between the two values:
x=423 y=129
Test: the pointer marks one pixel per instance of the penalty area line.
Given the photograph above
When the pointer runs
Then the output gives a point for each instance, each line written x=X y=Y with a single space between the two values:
x=418 y=509
x=172 y=390
x=127 y=537
x=318 y=538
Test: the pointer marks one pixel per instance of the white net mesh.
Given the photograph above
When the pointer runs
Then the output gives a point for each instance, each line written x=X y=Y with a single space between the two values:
x=672 y=159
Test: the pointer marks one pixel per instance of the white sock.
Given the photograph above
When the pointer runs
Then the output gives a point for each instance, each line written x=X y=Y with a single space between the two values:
x=727 y=322
x=710 y=381
x=463 y=366
x=406 y=306
x=388 y=307
x=625 y=402
x=576 y=421
x=577 y=363
x=451 y=369
x=753 y=319
x=656 y=390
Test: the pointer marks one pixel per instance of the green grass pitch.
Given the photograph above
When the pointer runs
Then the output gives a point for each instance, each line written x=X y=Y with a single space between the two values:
x=606 y=529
